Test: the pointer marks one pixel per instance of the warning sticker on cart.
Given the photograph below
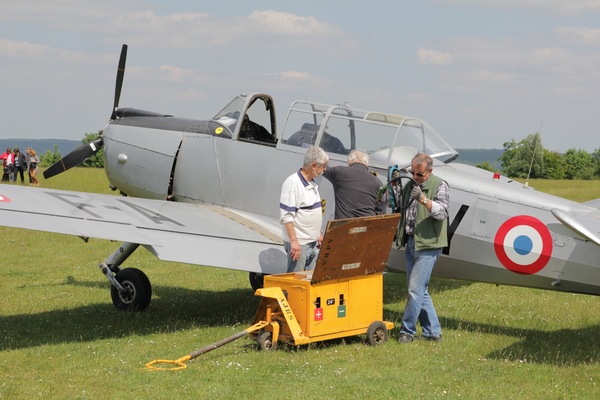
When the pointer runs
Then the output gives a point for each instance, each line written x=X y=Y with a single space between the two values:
x=351 y=266
x=318 y=314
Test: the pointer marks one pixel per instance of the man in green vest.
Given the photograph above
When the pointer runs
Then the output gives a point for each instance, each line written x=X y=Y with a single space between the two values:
x=423 y=230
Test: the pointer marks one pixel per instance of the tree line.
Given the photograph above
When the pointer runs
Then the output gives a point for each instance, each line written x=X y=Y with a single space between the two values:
x=528 y=158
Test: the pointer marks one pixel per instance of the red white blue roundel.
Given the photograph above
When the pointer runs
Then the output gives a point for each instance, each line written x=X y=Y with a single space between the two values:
x=523 y=244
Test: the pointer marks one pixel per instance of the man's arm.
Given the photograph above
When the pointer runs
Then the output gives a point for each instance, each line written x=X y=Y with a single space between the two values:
x=294 y=245
x=327 y=173
x=438 y=208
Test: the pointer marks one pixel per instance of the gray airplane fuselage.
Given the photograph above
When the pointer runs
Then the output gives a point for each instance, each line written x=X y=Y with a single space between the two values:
x=210 y=162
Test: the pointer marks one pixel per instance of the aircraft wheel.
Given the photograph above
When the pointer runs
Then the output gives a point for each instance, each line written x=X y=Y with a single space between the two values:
x=377 y=333
x=139 y=290
x=256 y=280
x=265 y=342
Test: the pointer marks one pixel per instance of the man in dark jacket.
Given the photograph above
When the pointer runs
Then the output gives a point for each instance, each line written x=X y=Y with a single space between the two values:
x=355 y=188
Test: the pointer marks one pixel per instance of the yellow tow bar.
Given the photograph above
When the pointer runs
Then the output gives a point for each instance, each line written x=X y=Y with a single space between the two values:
x=179 y=363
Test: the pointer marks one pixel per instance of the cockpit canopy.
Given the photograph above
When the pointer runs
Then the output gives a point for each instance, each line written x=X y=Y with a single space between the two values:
x=388 y=139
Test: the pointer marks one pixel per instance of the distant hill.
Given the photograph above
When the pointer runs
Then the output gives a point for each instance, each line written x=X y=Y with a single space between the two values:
x=478 y=156
x=40 y=145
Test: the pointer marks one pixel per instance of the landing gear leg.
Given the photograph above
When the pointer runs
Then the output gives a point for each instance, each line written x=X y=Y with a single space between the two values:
x=131 y=289
x=256 y=280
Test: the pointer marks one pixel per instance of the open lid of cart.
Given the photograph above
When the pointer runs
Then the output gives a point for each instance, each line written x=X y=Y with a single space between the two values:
x=355 y=246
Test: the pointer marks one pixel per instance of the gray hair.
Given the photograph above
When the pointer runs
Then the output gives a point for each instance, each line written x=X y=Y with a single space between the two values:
x=360 y=156
x=421 y=158
x=315 y=154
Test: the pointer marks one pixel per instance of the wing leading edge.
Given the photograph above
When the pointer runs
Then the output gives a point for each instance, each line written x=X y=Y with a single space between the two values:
x=180 y=232
x=586 y=224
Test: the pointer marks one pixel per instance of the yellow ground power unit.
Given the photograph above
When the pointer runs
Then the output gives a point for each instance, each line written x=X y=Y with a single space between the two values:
x=342 y=297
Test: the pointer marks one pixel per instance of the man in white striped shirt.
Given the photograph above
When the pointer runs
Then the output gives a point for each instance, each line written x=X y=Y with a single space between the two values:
x=301 y=213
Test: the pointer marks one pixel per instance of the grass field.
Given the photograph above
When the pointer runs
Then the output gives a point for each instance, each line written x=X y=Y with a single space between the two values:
x=61 y=337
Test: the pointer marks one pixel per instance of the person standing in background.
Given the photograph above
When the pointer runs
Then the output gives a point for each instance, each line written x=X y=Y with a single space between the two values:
x=20 y=164
x=32 y=161
x=9 y=166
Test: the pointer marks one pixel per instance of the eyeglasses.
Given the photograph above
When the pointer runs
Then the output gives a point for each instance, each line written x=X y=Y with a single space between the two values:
x=419 y=174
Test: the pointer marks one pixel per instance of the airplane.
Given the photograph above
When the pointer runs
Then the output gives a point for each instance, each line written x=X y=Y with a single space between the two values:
x=206 y=192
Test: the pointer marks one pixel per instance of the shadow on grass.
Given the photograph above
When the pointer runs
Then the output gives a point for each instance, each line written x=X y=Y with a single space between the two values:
x=171 y=309
x=175 y=308
x=564 y=347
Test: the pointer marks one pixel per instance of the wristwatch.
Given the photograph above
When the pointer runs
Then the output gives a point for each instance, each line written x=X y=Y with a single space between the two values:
x=424 y=201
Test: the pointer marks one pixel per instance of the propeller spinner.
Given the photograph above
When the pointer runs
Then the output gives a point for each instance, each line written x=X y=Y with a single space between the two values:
x=87 y=150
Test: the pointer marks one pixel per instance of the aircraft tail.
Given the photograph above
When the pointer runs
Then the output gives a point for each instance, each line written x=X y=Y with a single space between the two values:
x=592 y=203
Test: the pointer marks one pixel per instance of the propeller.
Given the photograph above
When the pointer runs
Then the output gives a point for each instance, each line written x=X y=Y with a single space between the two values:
x=87 y=150
x=119 y=83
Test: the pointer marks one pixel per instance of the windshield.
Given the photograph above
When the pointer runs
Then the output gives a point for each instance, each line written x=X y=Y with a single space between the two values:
x=230 y=114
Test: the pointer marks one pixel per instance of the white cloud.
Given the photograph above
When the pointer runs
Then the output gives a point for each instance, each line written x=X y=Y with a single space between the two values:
x=423 y=98
x=293 y=25
x=565 y=8
x=180 y=75
x=295 y=80
x=36 y=52
x=292 y=75
x=432 y=57
x=525 y=72
x=123 y=22
x=512 y=56
x=64 y=14
x=578 y=36
x=21 y=50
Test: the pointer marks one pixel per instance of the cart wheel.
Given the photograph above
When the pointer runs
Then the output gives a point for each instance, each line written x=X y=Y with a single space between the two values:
x=377 y=333
x=265 y=342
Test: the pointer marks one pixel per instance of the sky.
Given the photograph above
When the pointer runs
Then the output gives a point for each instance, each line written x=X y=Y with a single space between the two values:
x=481 y=73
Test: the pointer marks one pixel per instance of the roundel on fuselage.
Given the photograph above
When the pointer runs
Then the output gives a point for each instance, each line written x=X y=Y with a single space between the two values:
x=523 y=245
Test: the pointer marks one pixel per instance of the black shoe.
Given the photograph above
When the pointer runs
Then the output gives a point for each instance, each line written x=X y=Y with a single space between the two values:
x=436 y=338
x=405 y=338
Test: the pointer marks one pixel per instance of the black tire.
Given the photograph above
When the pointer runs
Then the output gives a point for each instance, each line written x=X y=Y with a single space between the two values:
x=265 y=342
x=139 y=290
x=377 y=333
x=256 y=280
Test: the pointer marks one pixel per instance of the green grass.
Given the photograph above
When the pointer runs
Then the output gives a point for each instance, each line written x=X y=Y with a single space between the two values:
x=579 y=191
x=61 y=337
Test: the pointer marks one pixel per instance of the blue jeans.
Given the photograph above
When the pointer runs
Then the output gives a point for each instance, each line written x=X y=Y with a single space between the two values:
x=419 y=306
x=307 y=259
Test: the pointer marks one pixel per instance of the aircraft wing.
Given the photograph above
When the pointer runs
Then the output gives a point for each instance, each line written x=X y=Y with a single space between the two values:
x=181 y=232
x=584 y=222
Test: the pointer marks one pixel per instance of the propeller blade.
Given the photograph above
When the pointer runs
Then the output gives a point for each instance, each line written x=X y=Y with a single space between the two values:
x=87 y=150
x=119 y=83
x=74 y=158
